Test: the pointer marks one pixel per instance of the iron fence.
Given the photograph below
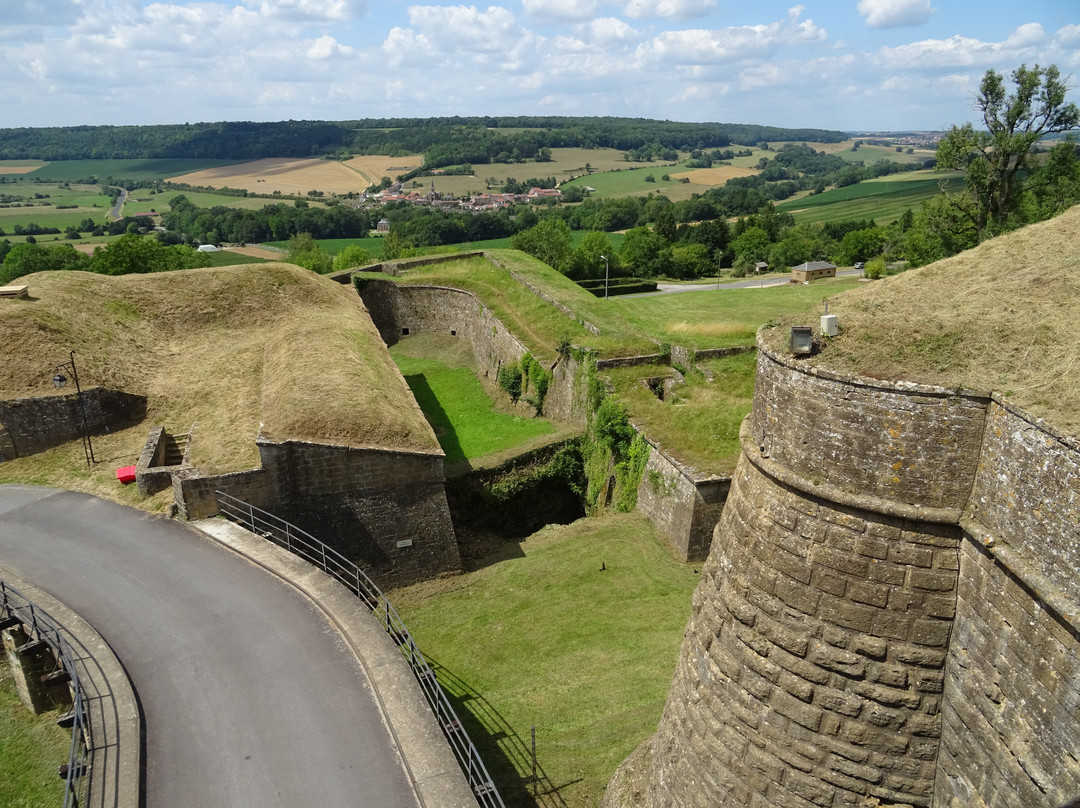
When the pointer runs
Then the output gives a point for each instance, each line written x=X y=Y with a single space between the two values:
x=41 y=630
x=356 y=580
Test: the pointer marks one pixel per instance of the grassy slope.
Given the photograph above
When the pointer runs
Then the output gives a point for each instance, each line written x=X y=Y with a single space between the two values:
x=546 y=638
x=999 y=317
x=884 y=199
x=227 y=348
x=31 y=747
x=462 y=413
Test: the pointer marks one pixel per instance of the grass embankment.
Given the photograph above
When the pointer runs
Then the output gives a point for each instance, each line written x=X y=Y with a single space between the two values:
x=225 y=349
x=538 y=324
x=469 y=423
x=998 y=317
x=31 y=747
x=548 y=638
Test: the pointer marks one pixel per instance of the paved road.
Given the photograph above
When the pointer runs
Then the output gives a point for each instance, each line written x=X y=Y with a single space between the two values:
x=749 y=283
x=119 y=206
x=249 y=696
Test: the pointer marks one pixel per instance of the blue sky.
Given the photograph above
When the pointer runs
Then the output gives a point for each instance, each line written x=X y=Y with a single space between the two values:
x=859 y=65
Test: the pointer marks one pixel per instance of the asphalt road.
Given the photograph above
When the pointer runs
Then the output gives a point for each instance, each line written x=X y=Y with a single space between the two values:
x=749 y=283
x=249 y=696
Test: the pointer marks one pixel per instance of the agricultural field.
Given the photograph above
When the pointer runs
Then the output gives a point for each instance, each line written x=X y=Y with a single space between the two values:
x=298 y=176
x=883 y=199
x=19 y=167
x=870 y=154
x=151 y=169
x=58 y=205
x=630 y=180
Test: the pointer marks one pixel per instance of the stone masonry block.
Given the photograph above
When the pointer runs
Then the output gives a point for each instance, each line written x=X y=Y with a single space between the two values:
x=803 y=598
x=791 y=566
x=809 y=788
x=838 y=701
x=828 y=581
x=916 y=655
x=859 y=771
x=806 y=715
x=844 y=613
x=869 y=593
x=874 y=738
x=873 y=647
x=894 y=625
x=934 y=633
x=912 y=555
x=779 y=635
x=933 y=580
x=837 y=660
x=841 y=561
x=842 y=539
x=886 y=573
x=873 y=547
x=796 y=686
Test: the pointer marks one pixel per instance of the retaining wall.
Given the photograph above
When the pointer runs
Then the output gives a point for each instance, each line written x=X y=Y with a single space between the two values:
x=888 y=611
x=33 y=425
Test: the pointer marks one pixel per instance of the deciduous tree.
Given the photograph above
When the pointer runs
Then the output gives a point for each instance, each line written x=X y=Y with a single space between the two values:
x=993 y=161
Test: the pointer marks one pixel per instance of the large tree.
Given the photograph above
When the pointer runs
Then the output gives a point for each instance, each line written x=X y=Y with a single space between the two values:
x=995 y=160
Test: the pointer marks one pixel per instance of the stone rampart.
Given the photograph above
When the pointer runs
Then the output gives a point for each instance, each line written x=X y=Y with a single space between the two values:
x=887 y=614
x=684 y=504
x=36 y=424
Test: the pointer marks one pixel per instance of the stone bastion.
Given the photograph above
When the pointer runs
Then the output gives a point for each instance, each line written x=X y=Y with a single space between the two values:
x=888 y=614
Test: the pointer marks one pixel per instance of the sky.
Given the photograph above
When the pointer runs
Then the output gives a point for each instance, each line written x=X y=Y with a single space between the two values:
x=853 y=65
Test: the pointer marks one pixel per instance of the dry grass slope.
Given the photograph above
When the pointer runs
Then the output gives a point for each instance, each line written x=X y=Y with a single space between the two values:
x=998 y=317
x=232 y=349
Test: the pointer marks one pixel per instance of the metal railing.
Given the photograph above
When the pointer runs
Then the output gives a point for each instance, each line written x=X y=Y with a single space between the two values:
x=41 y=628
x=356 y=580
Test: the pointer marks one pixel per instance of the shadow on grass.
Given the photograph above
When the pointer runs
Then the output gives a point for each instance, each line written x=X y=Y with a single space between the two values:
x=437 y=417
x=506 y=754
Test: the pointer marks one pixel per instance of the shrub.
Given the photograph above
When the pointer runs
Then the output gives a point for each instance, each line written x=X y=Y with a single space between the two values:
x=509 y=379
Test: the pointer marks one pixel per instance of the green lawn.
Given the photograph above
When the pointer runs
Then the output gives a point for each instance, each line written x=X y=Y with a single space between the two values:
x=461 y=412
x=577 y=634
x=724 y=317
x=31 y=748
x=630 y=181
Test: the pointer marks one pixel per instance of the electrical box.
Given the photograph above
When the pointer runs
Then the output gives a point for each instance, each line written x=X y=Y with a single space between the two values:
x=830 y=326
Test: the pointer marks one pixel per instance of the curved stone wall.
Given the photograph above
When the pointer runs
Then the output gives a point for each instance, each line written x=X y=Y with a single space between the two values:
x=888 y=612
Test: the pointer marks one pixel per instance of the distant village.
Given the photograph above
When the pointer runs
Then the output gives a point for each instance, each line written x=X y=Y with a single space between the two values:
x=475 y=203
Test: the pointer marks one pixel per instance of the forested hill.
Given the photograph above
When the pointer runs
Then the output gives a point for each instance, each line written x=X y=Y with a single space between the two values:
x=444 y=141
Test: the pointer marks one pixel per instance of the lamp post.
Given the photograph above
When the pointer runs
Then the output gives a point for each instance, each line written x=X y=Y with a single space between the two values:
x=607 y=274
x=60 y=380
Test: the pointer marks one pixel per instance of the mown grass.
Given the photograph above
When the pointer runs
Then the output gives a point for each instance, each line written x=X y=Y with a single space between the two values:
x=31 y=747
x=467 y=421
x=577 y=634
x=698 y=422
x=374 y=244
x=721 y=318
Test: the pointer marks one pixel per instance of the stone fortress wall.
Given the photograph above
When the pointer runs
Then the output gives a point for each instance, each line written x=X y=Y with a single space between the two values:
x=889 y=609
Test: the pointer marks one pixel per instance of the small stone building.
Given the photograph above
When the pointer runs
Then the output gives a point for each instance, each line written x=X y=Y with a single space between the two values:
x=811 y=271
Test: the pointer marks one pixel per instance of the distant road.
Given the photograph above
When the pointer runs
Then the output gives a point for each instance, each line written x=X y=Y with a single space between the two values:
x=250 y=697
x=119 y=206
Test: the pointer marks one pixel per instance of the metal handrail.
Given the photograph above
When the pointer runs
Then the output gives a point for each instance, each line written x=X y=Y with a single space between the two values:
x=42 y=628
x=330 y=561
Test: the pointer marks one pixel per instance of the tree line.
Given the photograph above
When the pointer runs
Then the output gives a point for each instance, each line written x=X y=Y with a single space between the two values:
x=444 y=141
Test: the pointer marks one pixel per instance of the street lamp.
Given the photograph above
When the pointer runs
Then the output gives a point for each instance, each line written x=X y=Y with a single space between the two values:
x=607 y=274
x=60 y=380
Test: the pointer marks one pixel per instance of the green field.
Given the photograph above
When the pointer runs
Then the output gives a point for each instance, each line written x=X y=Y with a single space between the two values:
x=156 y=169
x=884 y=199
x=142 y=201
x=544 y=638
x=629 y=180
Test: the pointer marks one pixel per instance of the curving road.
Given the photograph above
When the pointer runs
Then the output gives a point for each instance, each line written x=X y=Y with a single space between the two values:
x=249 y=695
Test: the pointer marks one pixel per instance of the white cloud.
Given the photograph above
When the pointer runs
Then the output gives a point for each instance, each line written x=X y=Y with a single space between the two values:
x=312 y=10
x=607 y=31
x=561 y=10
x=668 y=9
x=895 y=13
x=1025 y=36
x=707 y=47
